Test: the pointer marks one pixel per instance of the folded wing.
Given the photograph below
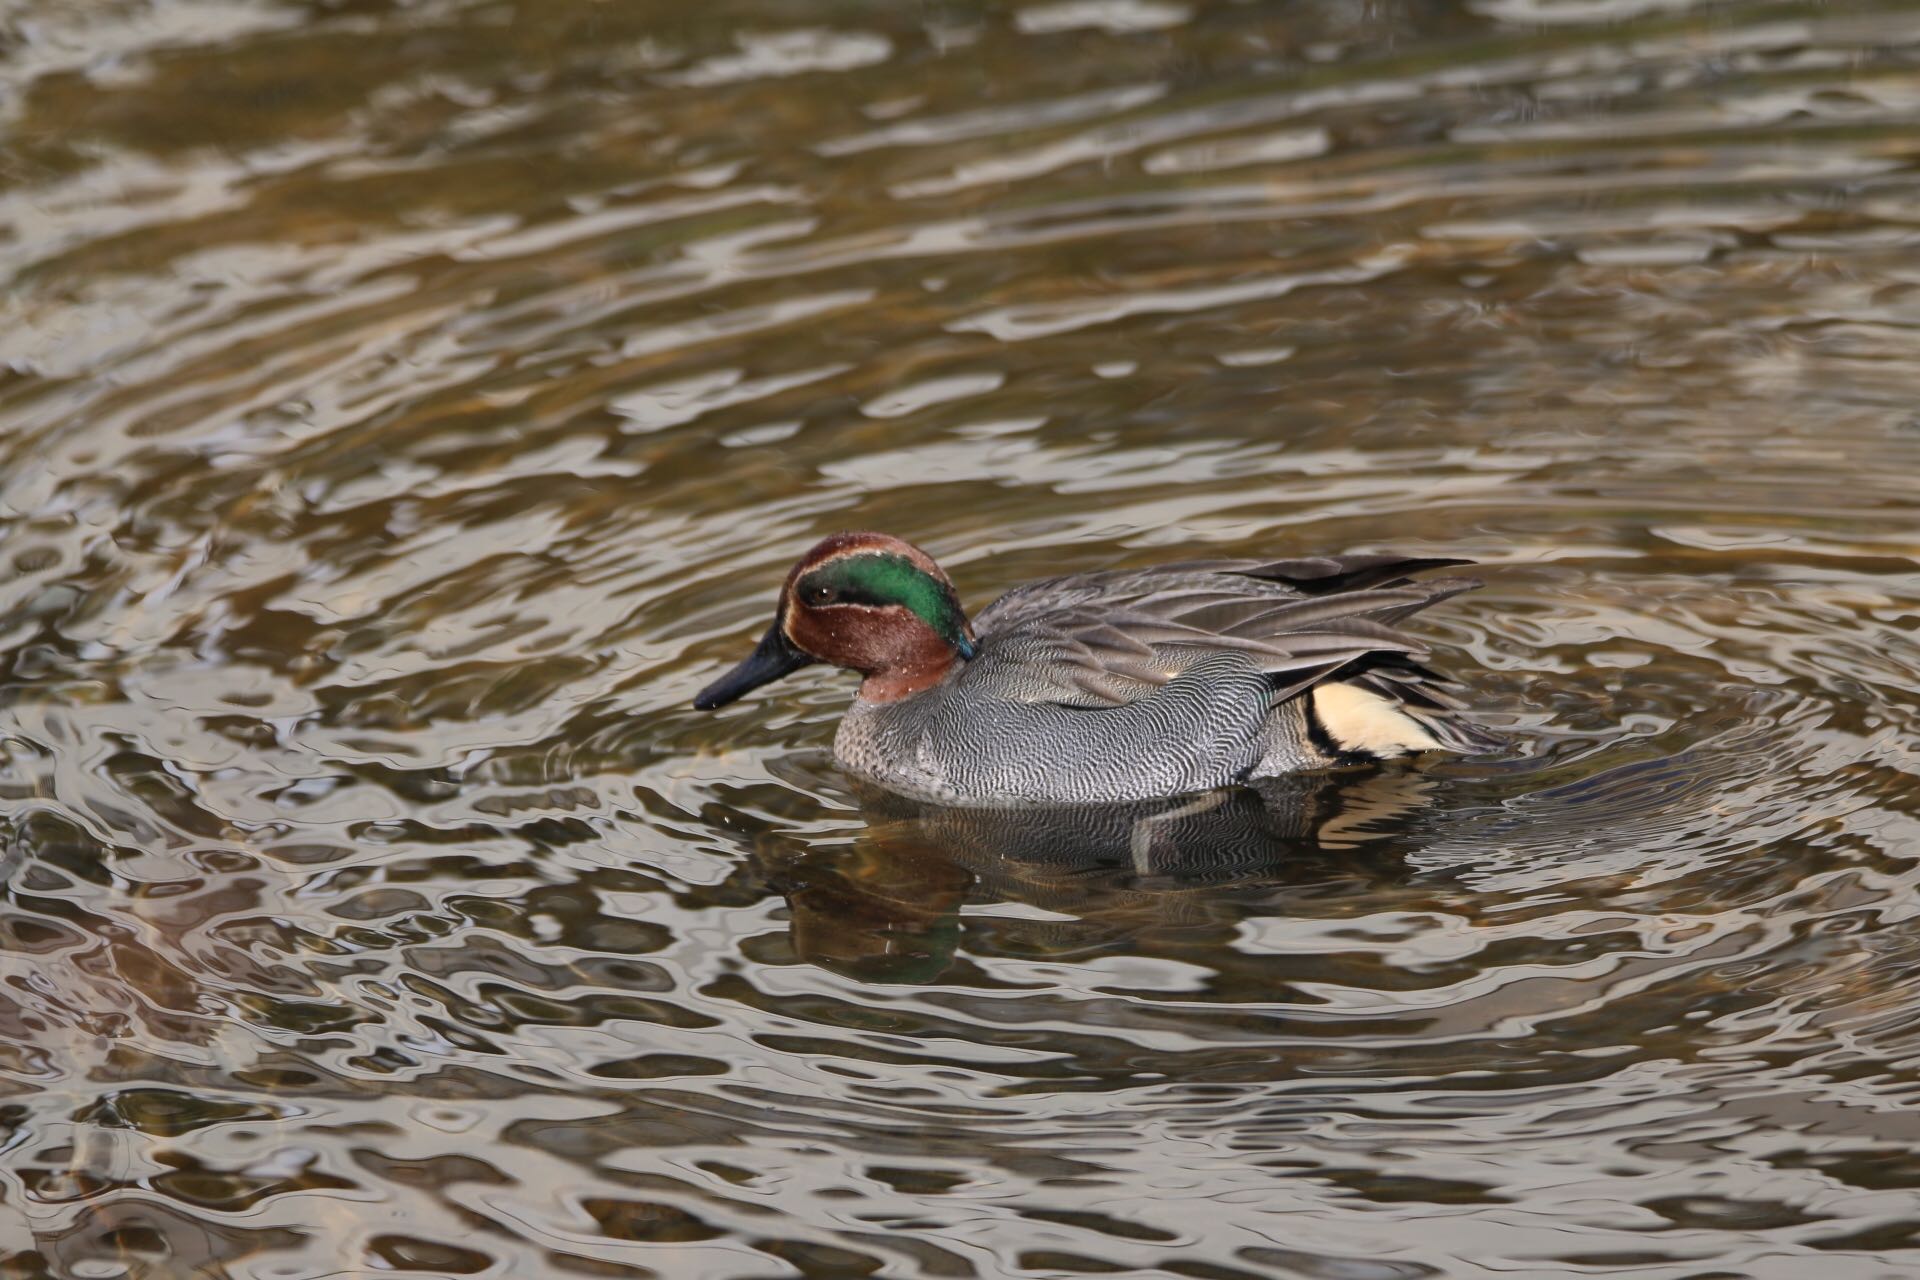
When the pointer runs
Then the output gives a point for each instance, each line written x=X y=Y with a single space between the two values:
x=1107 y=639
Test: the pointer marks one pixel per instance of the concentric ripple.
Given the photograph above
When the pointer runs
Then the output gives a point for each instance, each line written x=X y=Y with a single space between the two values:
x=406 y=407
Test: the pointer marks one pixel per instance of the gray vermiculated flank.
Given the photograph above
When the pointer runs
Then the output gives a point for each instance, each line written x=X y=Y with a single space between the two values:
x=1132 y=684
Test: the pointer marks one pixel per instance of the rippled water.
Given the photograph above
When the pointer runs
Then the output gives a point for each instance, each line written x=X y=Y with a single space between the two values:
x=408 y=406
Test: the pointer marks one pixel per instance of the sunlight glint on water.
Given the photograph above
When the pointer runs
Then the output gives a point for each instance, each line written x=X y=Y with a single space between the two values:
x=408 y=407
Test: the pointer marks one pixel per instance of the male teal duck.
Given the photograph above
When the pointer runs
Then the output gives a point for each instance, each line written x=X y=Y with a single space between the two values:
x=1121 y=685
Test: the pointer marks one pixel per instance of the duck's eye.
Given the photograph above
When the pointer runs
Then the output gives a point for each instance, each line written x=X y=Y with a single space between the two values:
x=818 y=595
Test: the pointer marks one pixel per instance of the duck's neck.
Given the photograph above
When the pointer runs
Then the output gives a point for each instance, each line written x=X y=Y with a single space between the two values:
x=896 y=683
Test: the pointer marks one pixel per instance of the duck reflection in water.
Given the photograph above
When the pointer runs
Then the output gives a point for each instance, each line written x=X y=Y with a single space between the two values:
x=888 y=906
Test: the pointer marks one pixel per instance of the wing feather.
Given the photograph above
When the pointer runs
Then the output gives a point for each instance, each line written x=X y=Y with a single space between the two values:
x=1109 y=638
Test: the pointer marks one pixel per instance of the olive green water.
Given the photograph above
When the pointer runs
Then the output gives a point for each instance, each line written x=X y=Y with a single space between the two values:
x=406 y=407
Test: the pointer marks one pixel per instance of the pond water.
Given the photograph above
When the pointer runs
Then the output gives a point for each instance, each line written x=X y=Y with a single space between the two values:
x=407 y=406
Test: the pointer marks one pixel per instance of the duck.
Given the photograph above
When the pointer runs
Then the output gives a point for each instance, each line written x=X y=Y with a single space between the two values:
x=1115 y=685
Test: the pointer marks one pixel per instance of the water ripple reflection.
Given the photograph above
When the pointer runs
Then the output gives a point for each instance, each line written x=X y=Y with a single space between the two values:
x=406 y=407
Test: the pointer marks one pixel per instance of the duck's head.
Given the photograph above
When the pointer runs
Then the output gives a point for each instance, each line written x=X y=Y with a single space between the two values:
x=865 y=601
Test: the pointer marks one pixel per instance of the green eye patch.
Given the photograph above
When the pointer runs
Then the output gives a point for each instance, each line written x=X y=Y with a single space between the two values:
x=880 y=580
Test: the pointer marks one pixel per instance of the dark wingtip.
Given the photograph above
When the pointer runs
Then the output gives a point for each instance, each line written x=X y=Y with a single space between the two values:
x=1476 y=739
x=1328 y=575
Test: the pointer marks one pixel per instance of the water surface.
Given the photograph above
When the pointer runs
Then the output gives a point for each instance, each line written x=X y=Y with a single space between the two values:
x=407 y=407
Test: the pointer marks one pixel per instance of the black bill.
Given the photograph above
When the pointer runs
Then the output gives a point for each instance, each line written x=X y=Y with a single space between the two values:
x=772 y=658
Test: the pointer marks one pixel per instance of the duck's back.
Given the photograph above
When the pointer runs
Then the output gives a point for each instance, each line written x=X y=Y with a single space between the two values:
x=1137 y=683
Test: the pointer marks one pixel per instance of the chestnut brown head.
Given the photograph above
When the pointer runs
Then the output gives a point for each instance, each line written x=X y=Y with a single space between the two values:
x=865 y=601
